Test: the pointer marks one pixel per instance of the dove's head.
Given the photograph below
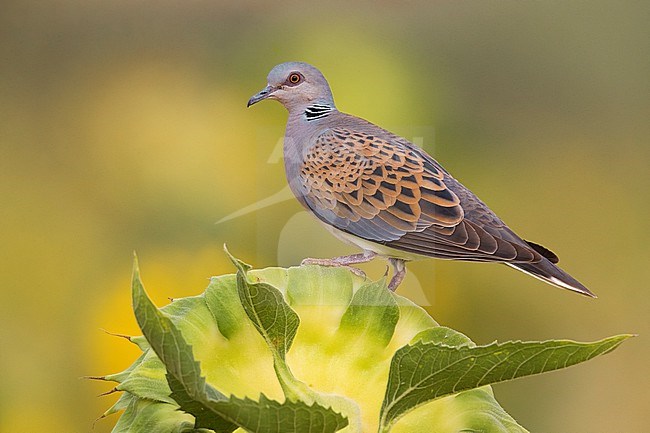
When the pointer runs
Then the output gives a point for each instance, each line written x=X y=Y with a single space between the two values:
x=296 y=85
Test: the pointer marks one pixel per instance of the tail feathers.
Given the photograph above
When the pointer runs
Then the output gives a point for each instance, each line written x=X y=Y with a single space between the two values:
x=545 y=252
x=548 y=272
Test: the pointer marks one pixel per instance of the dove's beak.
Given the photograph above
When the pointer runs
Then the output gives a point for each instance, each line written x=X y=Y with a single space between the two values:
x=263 y=94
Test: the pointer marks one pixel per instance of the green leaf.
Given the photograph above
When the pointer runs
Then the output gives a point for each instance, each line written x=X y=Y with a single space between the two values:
x=313 y=285
x=268 y=416
x=121 y=404
x=123 y=375
x=372 y=314
x=423 y=371
x=267 y=309
x=170 y=346
x=473 y=411
x=276 y=322
x=265 y=416
x=145 y=416
x=443 y=335
x=224 y=304
x=147 y=380
x=210 y=408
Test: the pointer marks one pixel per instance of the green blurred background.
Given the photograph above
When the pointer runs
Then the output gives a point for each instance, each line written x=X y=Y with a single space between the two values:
x=124 y=127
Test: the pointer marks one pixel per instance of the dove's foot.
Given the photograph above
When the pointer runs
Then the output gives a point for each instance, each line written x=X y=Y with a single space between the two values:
x=399 y=272
x=344 y=261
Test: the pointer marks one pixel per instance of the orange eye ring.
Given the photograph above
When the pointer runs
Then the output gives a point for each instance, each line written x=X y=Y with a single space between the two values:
x=294 y=78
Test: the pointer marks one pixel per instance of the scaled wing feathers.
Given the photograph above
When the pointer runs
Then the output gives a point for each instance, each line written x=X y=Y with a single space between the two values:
x=384 y=189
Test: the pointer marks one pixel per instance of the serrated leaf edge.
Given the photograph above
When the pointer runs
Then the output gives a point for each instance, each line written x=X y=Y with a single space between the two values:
x=386 y=424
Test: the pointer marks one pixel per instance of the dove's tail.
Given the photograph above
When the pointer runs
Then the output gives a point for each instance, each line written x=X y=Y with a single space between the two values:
x=550 y=273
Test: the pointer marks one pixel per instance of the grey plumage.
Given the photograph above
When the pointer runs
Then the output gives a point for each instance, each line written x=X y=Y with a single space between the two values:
x=385 y=194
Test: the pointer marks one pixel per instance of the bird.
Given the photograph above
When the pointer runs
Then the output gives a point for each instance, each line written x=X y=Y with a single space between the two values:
x=384 y=194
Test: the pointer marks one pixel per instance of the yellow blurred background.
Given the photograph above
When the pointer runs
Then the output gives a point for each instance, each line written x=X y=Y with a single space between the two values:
x=124 y=127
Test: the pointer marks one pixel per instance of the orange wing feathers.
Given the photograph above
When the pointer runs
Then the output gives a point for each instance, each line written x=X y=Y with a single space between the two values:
x=388 y=191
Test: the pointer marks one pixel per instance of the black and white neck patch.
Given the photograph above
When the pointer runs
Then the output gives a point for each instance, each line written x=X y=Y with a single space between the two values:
x=317 y=111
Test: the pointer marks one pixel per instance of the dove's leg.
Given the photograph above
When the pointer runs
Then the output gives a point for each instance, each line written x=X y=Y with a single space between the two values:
x=399 y=272
x=346 y=261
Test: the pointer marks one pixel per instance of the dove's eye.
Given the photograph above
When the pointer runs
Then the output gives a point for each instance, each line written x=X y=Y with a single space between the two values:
x=295 y=78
